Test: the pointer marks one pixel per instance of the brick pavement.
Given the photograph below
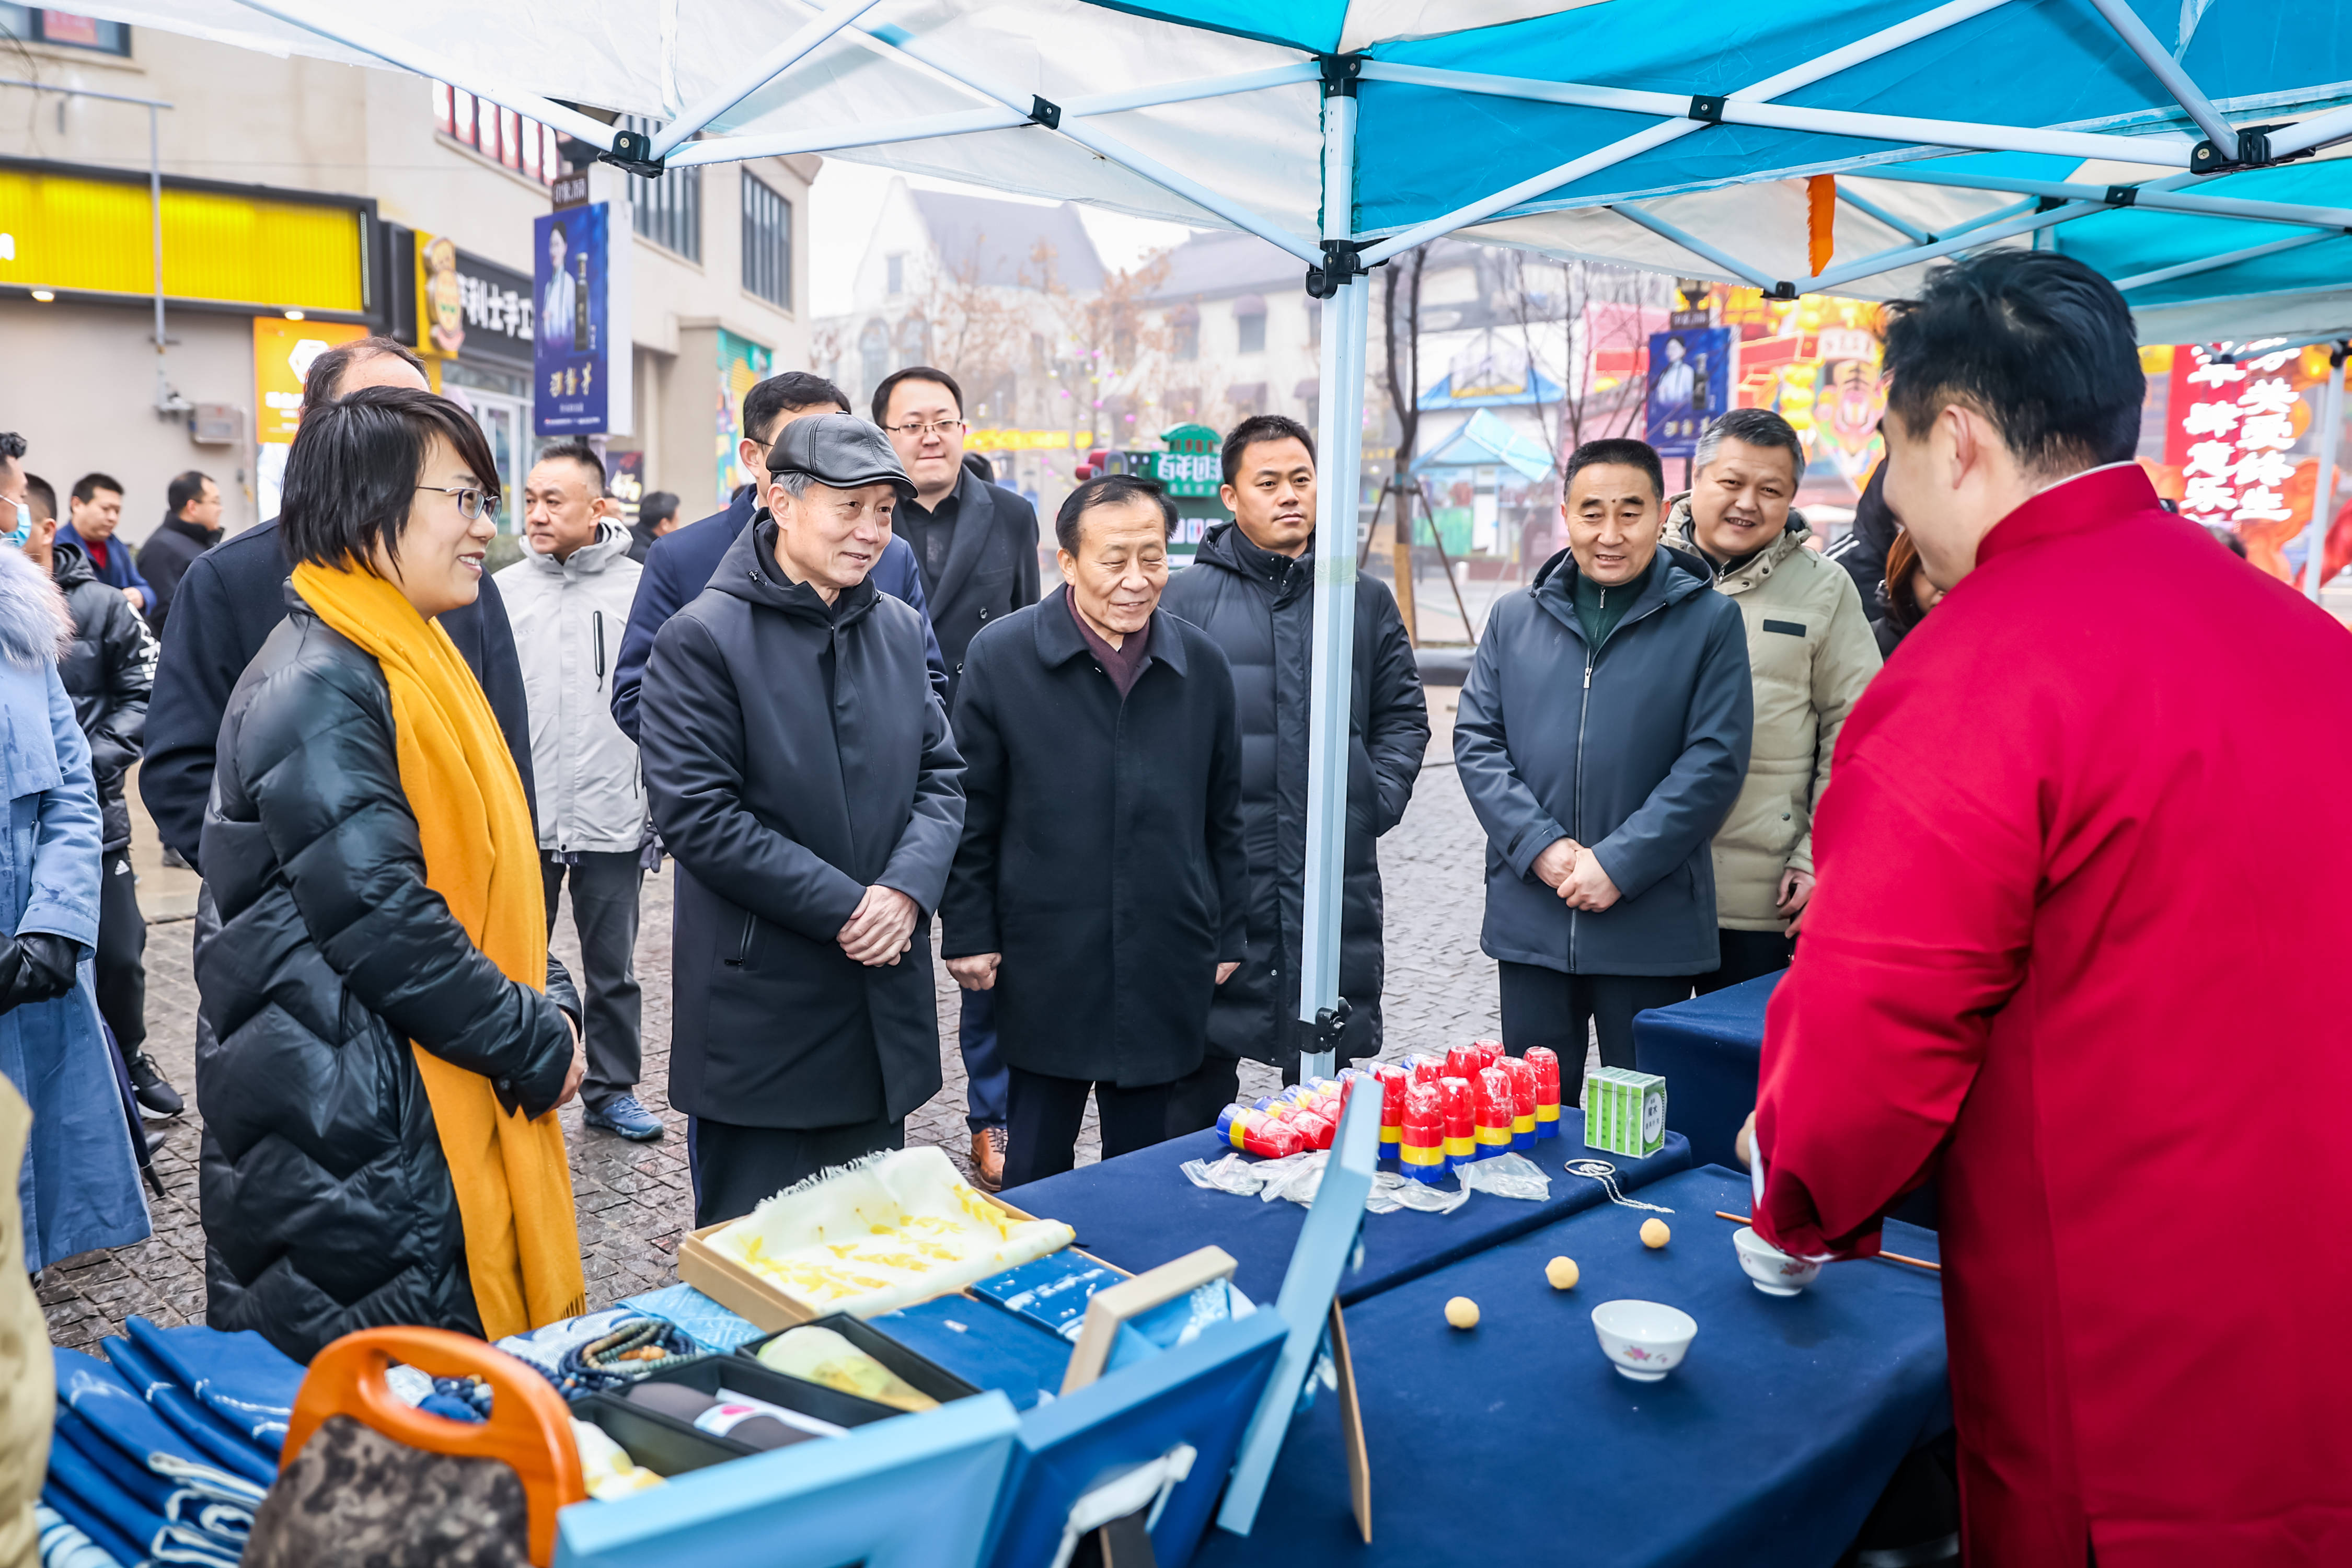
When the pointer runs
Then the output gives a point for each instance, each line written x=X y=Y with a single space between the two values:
x=633 y=1200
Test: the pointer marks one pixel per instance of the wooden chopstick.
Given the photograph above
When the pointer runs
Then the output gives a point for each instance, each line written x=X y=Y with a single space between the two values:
x=1890 y=1256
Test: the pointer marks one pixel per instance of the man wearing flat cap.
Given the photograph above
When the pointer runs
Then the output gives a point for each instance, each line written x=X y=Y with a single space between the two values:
x=799 y=768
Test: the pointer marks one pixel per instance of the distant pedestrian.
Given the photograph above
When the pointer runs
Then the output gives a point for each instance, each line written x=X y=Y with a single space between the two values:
x=569 y=598
x=1862 y=551
x=1101 y=890
x=94 y=512
x=1909 y=594
x=656 y=516
x=1601 y=737
x=1252 y=588
x=191 y=526
x=1809 y=653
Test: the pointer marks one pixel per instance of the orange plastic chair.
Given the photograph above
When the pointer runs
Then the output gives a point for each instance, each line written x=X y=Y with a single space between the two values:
x=530 y=1428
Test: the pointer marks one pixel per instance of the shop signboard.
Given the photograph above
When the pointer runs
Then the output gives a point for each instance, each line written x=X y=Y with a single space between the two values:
x=283 y=352
x=742 y=365
x=473 y=309
x=580 y=362
x=1691 y=378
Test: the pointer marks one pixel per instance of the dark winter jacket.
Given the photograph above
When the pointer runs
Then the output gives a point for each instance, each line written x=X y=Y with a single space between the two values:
x=1259 y=608
x=1862 y=551
x=1102 y=844
x=679 y=567
x=109 y=672
x=225 y=608
x=165 y=558
x=991 y=569
x=121 y=569
x=326 y=1201
x=795 y=755
x=1635 y=750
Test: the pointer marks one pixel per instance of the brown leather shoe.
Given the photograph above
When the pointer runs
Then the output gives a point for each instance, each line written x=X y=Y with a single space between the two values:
x=988 y=1159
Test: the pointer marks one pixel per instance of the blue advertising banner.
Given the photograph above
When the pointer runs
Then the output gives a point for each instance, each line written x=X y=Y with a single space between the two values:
x=572 y=358
x=1691 y=377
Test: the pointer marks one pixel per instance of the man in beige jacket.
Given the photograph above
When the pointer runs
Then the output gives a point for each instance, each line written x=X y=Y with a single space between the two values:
x=1810 y=653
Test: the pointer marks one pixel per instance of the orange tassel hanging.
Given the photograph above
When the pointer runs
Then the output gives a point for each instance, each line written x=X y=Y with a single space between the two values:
x=1821 y=221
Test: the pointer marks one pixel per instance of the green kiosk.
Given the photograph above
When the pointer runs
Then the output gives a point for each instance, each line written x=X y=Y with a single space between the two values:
x=1190 y=469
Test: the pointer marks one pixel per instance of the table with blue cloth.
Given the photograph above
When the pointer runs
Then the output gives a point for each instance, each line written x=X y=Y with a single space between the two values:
x=1140 y=1211
x=1517 y=1442
x=1709 y=1050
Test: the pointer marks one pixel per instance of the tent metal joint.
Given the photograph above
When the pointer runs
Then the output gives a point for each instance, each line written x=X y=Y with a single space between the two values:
x=2251 y=150
x=1706 y=108
x=633 y=151
x=1340 y=74
x=1342 y=260
x=1044 y=113
x=1784 y=289
x=2122 y=195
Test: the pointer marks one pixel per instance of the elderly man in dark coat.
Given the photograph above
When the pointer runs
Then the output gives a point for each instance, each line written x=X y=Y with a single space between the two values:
x=799 y=768
x=1252 y=588
x=1100 y=890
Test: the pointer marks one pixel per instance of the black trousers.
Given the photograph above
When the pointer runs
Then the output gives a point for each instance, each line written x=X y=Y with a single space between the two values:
x=1044 y=1114
x=119 y=966
x=1544 y=1007
x=604 y=909
x=1194 y=1100
x=734 y=1168
x=1747 y=956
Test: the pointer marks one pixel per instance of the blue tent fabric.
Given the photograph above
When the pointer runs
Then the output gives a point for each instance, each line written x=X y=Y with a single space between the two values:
x=179 y=1409
x=242 y=1378
x=1486 y=439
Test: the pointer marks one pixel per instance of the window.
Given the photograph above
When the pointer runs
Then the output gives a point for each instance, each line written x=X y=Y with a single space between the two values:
x=523 y=145
x=1252 y=333
x=874 y=354
x=894 y=276
x=667 y=211
x=1184 y=328
x=33 y=25
x=766 y=243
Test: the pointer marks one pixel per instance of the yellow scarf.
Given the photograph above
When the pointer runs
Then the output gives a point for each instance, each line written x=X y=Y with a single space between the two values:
x=481 y=855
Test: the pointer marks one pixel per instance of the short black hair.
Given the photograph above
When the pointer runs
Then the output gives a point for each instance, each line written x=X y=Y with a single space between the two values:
x=787 y=393
x=657 y=505
x=577 y=451
x=324 y=383
x=1108 y=489
x=2036 y=342
x=352 y=471
x=42 y=497
x=12 y=445
x=86 y=488
x=913 y=373
x=1261 y=427
x=1750 y=427
x=1621 y=450
x=184 y=489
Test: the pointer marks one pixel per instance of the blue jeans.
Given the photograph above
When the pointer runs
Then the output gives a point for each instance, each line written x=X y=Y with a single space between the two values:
x=988 y=1086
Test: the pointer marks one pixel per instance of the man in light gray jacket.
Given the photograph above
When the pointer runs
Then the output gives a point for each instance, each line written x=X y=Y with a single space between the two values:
x=569 y=598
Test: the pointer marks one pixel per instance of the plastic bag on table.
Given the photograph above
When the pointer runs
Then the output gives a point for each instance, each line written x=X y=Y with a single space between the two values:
x=1508 y=1176
x=1240 y=1175
x=1404 y=1193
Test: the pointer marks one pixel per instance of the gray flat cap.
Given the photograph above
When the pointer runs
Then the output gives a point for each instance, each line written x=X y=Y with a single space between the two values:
x=840 y=450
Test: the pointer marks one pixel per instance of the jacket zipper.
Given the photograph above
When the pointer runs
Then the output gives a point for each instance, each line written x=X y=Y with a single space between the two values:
x=743 y=947
x=1584 y=707
x=598 y=617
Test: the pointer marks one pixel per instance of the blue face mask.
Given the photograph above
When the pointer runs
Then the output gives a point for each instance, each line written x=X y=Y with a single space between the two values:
x=24 y=530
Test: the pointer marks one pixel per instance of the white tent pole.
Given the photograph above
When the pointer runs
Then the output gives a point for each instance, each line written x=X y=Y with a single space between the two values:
x=2331 y=428
x=1696 y=247
x=1888 y=260
x=2316 y=131
x=1925 y=25
x=2227 y=259
x=753 y=78
x=1338 y=476
x=2166 y=69
x=2156 y=195
x=783 y=143
x=1868 y=208
x=1189 y=91
x=394 y=49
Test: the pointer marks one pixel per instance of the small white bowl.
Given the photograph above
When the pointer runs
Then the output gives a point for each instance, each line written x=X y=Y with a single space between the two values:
x=1644 y=1340
x=1769 y=1269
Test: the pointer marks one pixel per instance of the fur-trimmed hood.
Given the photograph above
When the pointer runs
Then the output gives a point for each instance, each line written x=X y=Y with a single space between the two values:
x=35 y=626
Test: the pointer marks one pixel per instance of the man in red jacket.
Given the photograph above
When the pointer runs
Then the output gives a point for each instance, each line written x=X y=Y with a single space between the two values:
x=2067 y=957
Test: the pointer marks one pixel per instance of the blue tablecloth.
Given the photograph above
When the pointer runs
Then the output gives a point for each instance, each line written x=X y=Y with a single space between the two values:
x=1138 y=1211
x=1517 y=1443
x=1707 y=1049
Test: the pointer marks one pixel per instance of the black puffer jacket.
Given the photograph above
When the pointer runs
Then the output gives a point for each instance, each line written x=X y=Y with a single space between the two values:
x=108 y=672
x=1260 y=608
x=326 y=1200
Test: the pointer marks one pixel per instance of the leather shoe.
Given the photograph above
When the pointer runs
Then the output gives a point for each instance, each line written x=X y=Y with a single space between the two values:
x=988 y=1159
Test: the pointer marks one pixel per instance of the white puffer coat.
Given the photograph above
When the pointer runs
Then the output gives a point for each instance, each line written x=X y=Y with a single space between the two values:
x=569 y=616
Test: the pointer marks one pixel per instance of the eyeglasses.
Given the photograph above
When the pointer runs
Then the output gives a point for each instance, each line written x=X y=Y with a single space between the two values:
x=470 y=497
x=944 y=427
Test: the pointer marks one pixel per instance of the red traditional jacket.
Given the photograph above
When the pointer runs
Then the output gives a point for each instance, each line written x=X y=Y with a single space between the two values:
x=2082 y=952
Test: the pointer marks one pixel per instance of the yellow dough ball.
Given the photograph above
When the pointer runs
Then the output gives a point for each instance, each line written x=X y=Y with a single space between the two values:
x=1654 y=1232
x=1562 y=1273
x=1462 y=1312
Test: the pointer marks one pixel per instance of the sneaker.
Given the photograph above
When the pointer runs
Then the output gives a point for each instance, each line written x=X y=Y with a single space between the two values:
x=623 y=1115
x=158 y=1100
x=988 y=1159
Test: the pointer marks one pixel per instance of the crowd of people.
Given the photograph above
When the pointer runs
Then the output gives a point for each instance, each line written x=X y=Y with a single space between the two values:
x=874 y=739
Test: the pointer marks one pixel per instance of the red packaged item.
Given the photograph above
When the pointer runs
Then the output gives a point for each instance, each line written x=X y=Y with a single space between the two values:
x=1312 y=1128
x=1491 y=1112
x=1544 y=1064
x=1258 y=1133
x=1394 y=1081
x=1463 y=1062
x=1422 y=1134
x=1523 y=1101
x=1454 y=1098
x=1490 y=1052
x=1425 y=1068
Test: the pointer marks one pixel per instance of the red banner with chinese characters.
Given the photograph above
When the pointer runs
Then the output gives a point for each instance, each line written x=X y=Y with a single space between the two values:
x=2230 y=434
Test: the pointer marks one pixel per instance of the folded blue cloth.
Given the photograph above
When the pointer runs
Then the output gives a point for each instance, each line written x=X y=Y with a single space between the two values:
x=110 y=1402
x=94 y=1526
x=1051 y=1291
x=985 y=1345
x=198 y=1507
x=242 y=1378
x=178 y=1408
x=705 y=1322
x=151 y=1537
x=64 y=1544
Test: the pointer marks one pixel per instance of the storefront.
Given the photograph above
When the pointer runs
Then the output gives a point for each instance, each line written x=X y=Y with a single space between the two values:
x=473 y=321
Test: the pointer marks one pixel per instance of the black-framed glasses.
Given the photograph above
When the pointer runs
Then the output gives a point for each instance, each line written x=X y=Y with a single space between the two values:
x=943 y=427
x=471 y=499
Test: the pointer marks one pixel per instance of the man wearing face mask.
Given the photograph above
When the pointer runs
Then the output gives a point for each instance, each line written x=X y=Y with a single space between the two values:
x=1101 y=889
x=1601 y=737
x=1811 y=652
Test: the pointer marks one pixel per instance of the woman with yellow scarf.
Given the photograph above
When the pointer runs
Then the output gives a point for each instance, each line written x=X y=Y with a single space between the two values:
x=380 y=1138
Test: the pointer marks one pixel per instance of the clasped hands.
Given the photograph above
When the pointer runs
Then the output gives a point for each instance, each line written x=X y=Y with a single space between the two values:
x=1573 y=871
x=881 y=928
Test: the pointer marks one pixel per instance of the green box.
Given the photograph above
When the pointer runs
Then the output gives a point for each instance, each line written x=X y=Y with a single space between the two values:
x=1625 y=1111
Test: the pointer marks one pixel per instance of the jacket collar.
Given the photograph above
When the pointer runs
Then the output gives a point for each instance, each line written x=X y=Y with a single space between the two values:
x=976 y=513
x=2092 y=498
x=207 y=537
x=1060 y=641
x=1226 y=546
x=68 y=567
x=747 y=571
x=610 y=544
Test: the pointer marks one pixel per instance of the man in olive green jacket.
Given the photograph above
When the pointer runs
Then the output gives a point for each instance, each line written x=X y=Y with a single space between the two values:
x=1810 y=653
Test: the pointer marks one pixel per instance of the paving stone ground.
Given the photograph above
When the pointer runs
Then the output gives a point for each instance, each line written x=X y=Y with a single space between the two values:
x=634 y=1201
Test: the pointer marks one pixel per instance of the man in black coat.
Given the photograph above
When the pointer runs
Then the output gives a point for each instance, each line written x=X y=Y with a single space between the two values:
x=976 y=546
x=799 y=768
x=1101 y=889
x=1251 y=589
x=191 y=526
x=1601 y=737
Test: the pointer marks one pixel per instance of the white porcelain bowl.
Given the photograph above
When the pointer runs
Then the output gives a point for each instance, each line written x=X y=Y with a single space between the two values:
x=1769 y=1269
x=1644 y=1340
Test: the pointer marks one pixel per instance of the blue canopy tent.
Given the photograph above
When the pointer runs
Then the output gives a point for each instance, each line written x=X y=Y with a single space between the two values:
x=2164 y=142
x=1486 y=442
